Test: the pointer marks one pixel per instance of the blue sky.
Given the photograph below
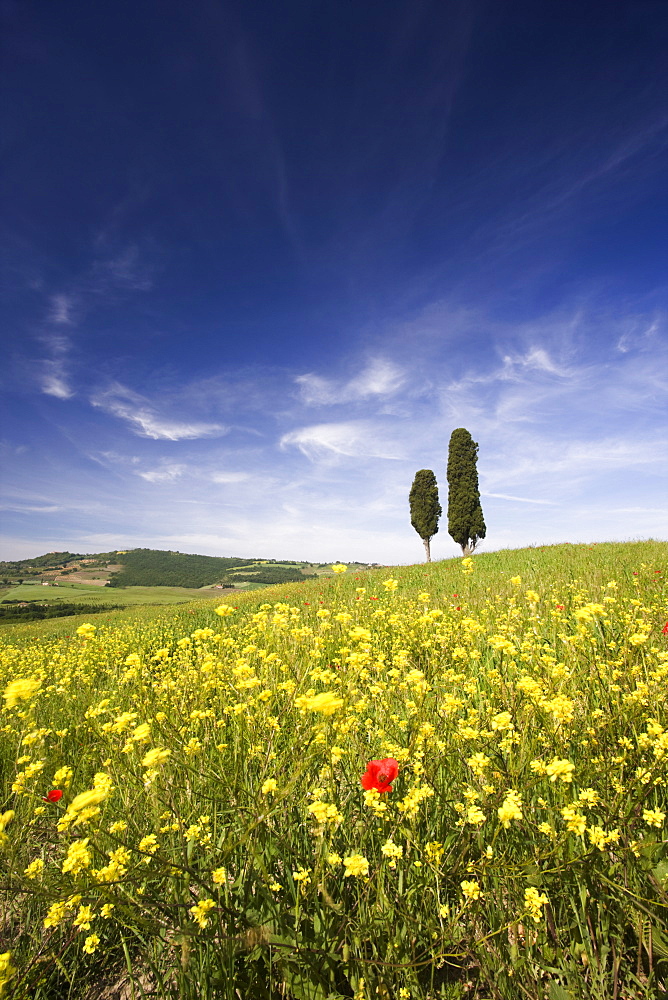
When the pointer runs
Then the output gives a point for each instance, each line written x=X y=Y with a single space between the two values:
x=262 y=259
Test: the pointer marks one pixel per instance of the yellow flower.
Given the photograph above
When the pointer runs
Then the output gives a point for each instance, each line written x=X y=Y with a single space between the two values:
x=511 y=808
x=339 y=568
x=224 y=610
x=7 y=970
x=326 y=703
x=470 y=889
x=516 y=581
x=475 y=816
x=392 y=851
x=575 y=821
x=200 y=910
x=325 y=812
x=534 y=901
x=589 y=797
x=5 y=819
x=356 y=865
x=156 y=756
x=20 y=690
x=91 y=943
x=302 y=875
x=560 y=769
x=434 y=851
x=63 y=776
x=148 y=845
x=269 y=786
x=219 y=876
x=653 y=817
x=83 y=918
x=78 y=857
x=478 y=762
x=55 y=914
x=390 y=585
x=87 y=630
x=84 y=800
x=532 y=596
x=35 y=868
x=502 y=721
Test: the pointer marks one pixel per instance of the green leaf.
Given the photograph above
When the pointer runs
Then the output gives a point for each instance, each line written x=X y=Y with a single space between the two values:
x=661 y=872
x=303 y=986
x=559 y=992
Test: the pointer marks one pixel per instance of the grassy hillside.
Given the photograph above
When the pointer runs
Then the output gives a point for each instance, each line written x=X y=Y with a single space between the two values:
x=226 y=844
x=79 y=592
x=151 y=568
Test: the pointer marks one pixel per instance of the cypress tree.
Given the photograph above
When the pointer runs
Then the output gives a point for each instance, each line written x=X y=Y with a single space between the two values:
x=466 y=524
x=425 y=508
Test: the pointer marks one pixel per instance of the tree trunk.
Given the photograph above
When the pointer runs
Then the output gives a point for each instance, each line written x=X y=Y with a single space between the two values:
x=466 y=550
x=425 y=542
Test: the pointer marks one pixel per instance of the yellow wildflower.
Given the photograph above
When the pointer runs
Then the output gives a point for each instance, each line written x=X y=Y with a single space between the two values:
x=511 y=808
x=87 y=630
x=470 y=889
x=200 y=911
x=78 y=857
x=356 y=865
x=560 y=769
x=653 y=817
x=534 y=901
x=326 y=703
x=91 y=943
x=35 y=868
x=20 y=690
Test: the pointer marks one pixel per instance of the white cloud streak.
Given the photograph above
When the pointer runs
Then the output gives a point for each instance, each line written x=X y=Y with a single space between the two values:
x=380 y=378
x=347 y=439
x=145 y=421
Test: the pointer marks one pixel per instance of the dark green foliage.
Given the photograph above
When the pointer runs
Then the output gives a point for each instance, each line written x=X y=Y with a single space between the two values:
x=29 y=611
x=154 y=568
x=425 y=508
x=466 y=524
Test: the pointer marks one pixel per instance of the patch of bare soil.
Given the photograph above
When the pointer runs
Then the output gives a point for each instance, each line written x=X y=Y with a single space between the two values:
x=94 y=578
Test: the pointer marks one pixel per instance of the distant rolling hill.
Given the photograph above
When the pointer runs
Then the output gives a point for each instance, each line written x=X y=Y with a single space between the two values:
x=151 y=568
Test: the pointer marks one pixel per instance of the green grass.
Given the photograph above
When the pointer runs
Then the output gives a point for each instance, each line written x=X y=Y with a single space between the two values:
x=101 y=595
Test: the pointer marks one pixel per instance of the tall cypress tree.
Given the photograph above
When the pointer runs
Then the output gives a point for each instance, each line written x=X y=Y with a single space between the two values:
x=466 y=524
x=425 y=508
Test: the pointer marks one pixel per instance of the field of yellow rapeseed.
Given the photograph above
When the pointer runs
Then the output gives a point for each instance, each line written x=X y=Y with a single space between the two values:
x=431 y=781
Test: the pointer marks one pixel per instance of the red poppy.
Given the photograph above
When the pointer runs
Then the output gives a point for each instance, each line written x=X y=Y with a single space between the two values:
x=55 y=795
x=380 y=774
x=665 y=629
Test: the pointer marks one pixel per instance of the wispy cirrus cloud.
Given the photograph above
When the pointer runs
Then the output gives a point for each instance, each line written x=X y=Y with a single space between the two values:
x=506 y=496
x=379 y=378
x=53 y=371
x=163 y=473
x=145 y=420
x=345 y=439
x=61 y=309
